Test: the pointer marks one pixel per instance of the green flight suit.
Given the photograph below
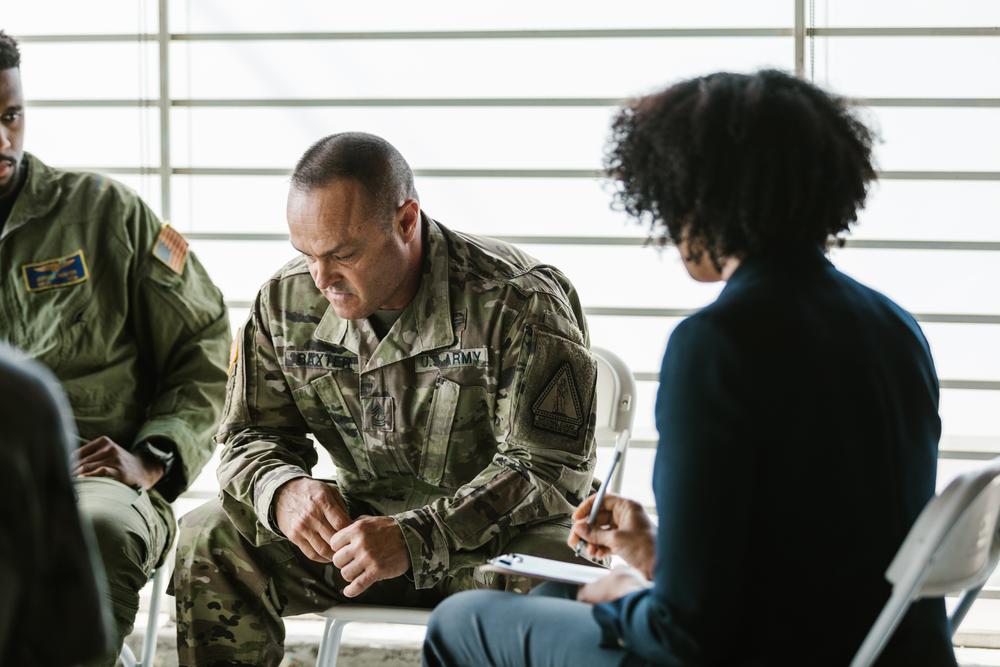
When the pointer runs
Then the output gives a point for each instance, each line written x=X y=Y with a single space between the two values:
x=471 y=423
x=97 y=290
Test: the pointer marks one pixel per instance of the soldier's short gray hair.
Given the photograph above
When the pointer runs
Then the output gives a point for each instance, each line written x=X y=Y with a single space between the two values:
x=368 y=159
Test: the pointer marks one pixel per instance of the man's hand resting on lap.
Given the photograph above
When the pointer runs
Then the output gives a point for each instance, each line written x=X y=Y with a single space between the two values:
x=103 y=457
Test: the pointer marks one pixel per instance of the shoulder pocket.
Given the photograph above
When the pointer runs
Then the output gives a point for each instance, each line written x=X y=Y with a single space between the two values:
x=554 y=396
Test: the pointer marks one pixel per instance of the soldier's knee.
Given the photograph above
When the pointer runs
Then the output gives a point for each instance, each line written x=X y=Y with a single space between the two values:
x=203 y=529
x=122 y=546
x=108 y=527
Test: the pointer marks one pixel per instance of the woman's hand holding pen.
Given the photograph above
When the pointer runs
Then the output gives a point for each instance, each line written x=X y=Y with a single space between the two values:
x=622 y=528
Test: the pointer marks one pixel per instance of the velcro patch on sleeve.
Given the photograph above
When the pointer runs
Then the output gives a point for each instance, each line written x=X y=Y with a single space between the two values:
x=557 y=408
x=555 y=396
x=56 y=272
x=171 y=248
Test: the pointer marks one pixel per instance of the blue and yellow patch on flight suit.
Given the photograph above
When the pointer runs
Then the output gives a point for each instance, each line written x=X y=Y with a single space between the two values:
x=57 y=272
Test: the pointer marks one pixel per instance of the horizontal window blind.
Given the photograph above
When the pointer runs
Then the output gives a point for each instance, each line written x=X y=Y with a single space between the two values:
x=204 y=106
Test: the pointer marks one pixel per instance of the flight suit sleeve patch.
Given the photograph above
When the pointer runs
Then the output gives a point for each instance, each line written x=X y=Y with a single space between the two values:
x=554 y=397
x=171 y=249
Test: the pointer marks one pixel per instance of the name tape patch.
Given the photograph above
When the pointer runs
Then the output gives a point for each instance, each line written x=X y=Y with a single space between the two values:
x=434 y=361
x=57 y=272
x=325 y=360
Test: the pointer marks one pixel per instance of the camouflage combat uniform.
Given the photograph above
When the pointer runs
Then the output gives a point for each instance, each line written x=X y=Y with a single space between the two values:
x=97 y=290
x=471 y=423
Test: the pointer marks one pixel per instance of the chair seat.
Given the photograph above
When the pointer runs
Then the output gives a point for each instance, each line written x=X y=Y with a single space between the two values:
x=375 y=614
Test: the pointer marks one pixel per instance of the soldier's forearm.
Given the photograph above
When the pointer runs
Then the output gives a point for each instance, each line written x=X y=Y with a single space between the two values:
x=255 y=463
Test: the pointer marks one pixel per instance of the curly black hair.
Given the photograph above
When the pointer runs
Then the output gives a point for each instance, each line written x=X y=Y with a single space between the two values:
x=741 y=165
x=10 y=56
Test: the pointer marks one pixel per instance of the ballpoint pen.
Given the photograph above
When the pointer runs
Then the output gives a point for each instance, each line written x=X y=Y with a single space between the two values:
x=602 y=491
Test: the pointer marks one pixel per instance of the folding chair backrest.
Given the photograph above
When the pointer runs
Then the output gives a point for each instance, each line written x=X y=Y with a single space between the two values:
x=615 y=404
x=956 y=534
x=952 y=546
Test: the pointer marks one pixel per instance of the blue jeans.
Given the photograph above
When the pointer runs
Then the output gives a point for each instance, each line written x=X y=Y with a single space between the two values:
x=548 y=628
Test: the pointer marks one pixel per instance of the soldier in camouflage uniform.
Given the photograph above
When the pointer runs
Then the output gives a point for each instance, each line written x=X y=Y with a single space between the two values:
x=449 y=378
x=110 y=300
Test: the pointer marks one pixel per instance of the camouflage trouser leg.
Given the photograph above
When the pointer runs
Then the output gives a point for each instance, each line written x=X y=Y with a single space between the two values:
x=231 y=595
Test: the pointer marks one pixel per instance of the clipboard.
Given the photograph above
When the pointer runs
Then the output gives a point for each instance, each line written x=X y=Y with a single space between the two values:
x=545 y=568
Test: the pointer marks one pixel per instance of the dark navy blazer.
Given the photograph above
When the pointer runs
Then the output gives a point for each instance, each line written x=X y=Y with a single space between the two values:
x=798 y=421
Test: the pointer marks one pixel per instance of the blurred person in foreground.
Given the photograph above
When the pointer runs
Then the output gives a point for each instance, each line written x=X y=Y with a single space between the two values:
x=798 y=413
x=110 y=300
x=50 y=578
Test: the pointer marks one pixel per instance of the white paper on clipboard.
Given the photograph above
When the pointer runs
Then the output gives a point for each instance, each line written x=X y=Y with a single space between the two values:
x=545 y=568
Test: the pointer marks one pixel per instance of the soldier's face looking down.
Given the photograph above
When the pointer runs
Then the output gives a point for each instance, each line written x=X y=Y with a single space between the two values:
x=360 y=260
x=11 y=129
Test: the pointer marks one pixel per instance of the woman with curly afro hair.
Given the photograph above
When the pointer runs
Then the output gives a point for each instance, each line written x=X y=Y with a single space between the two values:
x=797 y=413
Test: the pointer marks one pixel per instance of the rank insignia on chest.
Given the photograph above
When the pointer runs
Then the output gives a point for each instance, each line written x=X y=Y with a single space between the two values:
x=171 y=248
x=557 y=408
x=56 y=272
x=380 y=414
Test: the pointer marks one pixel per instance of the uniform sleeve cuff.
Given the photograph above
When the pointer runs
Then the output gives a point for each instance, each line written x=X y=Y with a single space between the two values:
x=266 y=487
x=426 y=544
x=166 y=430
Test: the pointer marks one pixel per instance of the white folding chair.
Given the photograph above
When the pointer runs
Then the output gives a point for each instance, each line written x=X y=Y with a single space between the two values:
x=152 y=624
x=615 y=407
x=954 y=546
x=615 y=414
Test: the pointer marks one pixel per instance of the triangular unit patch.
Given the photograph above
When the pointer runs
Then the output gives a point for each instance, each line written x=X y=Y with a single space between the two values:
x=557 y=408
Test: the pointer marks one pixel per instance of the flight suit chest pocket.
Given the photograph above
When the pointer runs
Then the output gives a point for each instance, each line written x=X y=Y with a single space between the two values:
x=328 y=391
x=439 y=422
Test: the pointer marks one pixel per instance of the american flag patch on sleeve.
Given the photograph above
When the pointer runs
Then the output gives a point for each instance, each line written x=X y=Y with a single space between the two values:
x=171 y=248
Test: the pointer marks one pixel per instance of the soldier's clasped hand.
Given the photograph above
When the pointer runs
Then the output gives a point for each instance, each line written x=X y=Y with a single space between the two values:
x=103 y=457
x=370 y=549
x=309 y=512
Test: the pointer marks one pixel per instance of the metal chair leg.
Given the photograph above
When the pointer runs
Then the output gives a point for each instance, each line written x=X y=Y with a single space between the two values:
x=329 y=645
x=126 y=657
x=958 y=615
x=153 y=621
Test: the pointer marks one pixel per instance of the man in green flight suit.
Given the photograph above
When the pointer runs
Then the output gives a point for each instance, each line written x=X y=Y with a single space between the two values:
x=448 y=377
x=97 y=290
